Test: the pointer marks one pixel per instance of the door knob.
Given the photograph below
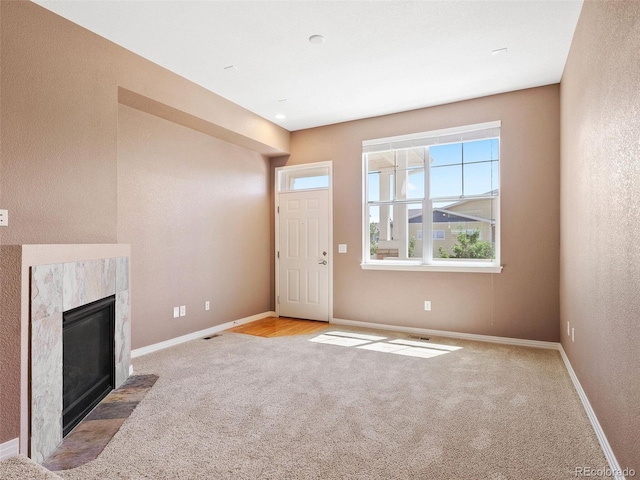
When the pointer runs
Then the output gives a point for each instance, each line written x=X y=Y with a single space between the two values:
x=322 y=262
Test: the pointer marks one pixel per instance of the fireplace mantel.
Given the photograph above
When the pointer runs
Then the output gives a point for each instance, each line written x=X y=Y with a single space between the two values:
x=53 y=279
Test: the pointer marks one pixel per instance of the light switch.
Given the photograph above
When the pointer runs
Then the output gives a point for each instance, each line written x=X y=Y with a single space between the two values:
x=342 y=248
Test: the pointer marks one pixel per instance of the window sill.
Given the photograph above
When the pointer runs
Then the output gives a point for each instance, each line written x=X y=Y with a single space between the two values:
x=417 y=267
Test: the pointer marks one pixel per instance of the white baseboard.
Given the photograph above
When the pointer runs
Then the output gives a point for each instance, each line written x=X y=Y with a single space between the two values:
x=444 y=333
x=9 y=449
x=604 y=443
x=138 y=352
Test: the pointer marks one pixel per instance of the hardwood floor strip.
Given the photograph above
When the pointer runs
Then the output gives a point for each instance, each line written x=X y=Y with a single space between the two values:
x=280 y=327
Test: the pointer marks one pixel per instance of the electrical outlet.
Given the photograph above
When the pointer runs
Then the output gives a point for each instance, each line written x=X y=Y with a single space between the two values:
x=4 y=218
x=427 y=305
x=183 y=310
x=176 y=312
x=573 y=334
x=207 y=305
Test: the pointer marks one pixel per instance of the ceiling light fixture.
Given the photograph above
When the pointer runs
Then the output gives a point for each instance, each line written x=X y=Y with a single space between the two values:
x=499 y=51
x=316 y=39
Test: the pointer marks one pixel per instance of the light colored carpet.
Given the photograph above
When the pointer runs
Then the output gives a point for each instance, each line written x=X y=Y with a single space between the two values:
x=23 y=468
x=244 y=407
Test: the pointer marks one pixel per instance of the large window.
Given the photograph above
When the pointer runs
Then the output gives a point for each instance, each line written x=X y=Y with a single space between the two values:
x=432 y=200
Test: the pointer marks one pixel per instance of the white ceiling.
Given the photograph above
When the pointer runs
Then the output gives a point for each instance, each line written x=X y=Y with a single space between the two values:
x=379 y=56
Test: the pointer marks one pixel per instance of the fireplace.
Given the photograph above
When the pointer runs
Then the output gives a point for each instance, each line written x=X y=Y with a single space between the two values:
x=54 y=291
x=87 y=359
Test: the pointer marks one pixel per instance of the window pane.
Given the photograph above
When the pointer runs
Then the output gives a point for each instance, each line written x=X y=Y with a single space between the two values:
x=374 y=186
x=445 y=154
x=304 y=179
x=394 y=231
x=380 y=232
x=481 y=150
x=469 y=229
x=380 y=161
x=478 y=179
x=414 y=246
x=374 y=231
x=380 y=171
x=410 y=183
x=446 y=181
x=304 y=183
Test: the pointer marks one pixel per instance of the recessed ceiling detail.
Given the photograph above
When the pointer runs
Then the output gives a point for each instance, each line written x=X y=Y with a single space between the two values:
x=382 y=57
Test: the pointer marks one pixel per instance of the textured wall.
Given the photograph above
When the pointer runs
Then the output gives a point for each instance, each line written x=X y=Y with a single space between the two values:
x=600 y=205
x=59 y=124
x=195 y=211
x=59 y=164
x=520 y=302
x=10 y=267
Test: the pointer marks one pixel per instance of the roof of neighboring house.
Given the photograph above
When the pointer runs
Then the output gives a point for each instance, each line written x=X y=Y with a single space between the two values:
x=441 y=215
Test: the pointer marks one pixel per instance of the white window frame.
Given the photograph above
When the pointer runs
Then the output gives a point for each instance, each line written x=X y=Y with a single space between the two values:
x=427 y=263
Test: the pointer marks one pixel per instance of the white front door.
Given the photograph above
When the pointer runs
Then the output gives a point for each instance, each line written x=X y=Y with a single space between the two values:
x=303 y=258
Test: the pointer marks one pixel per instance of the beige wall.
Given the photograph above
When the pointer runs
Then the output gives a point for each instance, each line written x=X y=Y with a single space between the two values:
x=600 y=205
x=60 y=169
x=10 y=347
x=59 y=124
x=195 y=210
x=520 y=302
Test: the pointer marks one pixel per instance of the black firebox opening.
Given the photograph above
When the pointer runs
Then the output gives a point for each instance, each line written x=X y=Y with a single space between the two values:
x=87 y=359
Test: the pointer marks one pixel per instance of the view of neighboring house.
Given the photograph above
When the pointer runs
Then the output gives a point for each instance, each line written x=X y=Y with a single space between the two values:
x=464 y=216
x=447 y=223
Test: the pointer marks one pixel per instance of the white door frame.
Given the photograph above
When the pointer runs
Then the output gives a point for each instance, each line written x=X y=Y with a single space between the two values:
x=279 y=173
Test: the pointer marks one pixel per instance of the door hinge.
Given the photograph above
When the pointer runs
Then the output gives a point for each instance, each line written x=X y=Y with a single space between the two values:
x=278 y=208
x=278 y=299
x=278 y=254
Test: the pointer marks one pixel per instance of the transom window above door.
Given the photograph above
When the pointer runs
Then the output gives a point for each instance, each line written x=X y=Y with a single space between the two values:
x=304 y=178
x=431 y=200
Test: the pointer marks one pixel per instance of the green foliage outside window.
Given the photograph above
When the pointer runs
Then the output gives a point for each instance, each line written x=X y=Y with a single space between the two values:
x=468 y=246
x=412 y=246
x=373 y=235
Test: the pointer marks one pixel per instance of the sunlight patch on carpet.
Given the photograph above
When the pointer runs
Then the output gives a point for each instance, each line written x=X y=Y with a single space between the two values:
x=341 y=341
x=409 y=348
x=437 y=346
x=373 y=338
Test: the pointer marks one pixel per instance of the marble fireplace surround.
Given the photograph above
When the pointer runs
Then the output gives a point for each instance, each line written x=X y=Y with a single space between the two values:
x=54 y=279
